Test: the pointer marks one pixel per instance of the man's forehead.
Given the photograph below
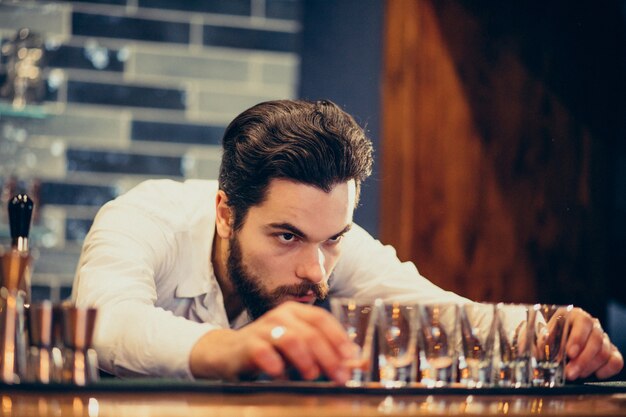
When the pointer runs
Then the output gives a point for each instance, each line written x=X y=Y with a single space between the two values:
x=286 y=191
x=307 y=207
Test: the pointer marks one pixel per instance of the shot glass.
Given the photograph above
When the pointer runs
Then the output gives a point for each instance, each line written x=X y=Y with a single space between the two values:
x=549 y=338
x=439 y=343
x=358 y=319
x=397 y=336
x=514 y=324
x=478 y=334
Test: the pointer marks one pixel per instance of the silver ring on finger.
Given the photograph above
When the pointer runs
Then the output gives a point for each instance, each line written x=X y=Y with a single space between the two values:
x=277 y=332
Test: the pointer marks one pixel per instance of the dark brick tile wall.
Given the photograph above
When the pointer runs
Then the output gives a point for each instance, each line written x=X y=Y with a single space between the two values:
x=176 y=132
x=125 y=95
x=133 y=89
x=266 y=40
x=129 y=28
x=229 y=7
x=84 y=58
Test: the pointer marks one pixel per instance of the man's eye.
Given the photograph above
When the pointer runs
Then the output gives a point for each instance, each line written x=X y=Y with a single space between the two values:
x=286 y=237
x=336 y=239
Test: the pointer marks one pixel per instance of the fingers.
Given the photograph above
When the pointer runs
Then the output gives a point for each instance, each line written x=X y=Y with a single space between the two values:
x=581 y=326
x=326 y=324
x=594 y=354
x=306 y=354
x=589 y=349
x=310 y=339
x=612 y=366
x=266 y=359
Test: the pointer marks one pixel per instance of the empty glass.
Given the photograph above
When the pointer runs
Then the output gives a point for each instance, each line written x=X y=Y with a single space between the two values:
x=549 y=338
x=478 y=333
x=358 y=320
x=514 y=323
x=397 y=336
x=438 y=343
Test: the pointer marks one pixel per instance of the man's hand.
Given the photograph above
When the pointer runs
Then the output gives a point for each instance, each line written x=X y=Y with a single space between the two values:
x=589 y=349
x=305 y=337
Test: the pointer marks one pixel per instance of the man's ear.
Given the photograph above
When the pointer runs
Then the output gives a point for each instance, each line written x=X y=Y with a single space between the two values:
x=223 y=216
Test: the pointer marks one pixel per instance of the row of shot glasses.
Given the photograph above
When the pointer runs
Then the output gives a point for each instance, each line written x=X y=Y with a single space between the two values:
x=474 y=345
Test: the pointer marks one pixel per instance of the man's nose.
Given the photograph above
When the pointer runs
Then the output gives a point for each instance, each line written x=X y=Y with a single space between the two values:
x=311 y=265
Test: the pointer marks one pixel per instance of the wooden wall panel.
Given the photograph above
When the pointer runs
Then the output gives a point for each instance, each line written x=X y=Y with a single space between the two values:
x=490 y=174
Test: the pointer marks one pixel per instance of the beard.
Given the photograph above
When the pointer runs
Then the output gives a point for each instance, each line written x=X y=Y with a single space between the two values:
x=256 y=299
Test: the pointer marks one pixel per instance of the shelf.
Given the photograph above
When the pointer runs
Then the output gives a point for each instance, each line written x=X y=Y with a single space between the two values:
x=27 y=112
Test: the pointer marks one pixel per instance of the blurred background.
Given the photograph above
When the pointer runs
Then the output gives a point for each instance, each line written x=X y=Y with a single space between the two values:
x=499 y=127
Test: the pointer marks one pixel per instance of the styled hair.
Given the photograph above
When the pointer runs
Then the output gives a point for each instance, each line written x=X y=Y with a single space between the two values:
x=314 y=143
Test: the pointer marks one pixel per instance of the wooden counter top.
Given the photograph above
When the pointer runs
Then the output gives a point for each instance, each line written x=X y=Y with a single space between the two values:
x=16 y=401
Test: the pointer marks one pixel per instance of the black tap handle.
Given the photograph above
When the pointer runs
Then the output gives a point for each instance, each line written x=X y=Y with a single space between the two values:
x=20 y=213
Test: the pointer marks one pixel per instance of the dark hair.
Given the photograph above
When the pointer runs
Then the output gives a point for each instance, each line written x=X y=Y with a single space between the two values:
x=314 y=143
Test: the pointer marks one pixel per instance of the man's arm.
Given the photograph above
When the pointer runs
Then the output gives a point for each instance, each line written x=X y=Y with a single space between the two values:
x=116 y=273
x=368 y=269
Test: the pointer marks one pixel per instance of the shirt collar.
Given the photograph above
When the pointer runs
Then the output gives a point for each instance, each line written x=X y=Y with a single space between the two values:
x=199 y=276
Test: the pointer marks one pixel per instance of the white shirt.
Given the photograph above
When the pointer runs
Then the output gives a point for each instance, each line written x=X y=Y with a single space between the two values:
x=146 y=265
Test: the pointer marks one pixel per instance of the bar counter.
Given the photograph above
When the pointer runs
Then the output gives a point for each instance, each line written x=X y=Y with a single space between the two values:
x=168 y=398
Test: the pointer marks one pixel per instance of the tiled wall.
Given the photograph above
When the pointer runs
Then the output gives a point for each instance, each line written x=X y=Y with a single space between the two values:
x=135 y=89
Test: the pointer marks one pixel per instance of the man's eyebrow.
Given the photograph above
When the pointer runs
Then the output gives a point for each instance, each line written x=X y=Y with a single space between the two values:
x=294 y=230
x=290 y=227
x=343 y=231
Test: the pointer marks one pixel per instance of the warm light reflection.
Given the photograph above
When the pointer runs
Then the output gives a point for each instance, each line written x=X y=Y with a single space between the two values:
x=386 y=405
x=78 y=373
x=7 y=405
x=60 y=405
x=42 y=406
x=77 y=406
x=465 y=406
x=395 y=312
x=93 y=407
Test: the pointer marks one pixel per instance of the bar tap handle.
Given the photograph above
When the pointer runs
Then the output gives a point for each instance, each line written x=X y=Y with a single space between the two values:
x=20 y=213
x=15 y=292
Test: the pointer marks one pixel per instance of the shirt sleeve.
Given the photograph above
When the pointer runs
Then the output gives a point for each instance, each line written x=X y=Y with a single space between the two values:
x=122 y=254
x=368 y=269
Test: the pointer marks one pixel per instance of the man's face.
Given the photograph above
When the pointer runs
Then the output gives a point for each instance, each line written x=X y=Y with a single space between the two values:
x=289 y=244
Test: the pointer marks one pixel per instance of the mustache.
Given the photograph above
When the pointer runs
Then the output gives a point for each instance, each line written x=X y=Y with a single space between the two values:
x=300 y=290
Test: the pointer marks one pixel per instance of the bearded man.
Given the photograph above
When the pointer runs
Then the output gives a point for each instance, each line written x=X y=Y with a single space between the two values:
x=219 y=278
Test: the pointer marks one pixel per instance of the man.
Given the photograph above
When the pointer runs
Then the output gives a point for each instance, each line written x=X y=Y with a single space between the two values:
x=217 y=279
